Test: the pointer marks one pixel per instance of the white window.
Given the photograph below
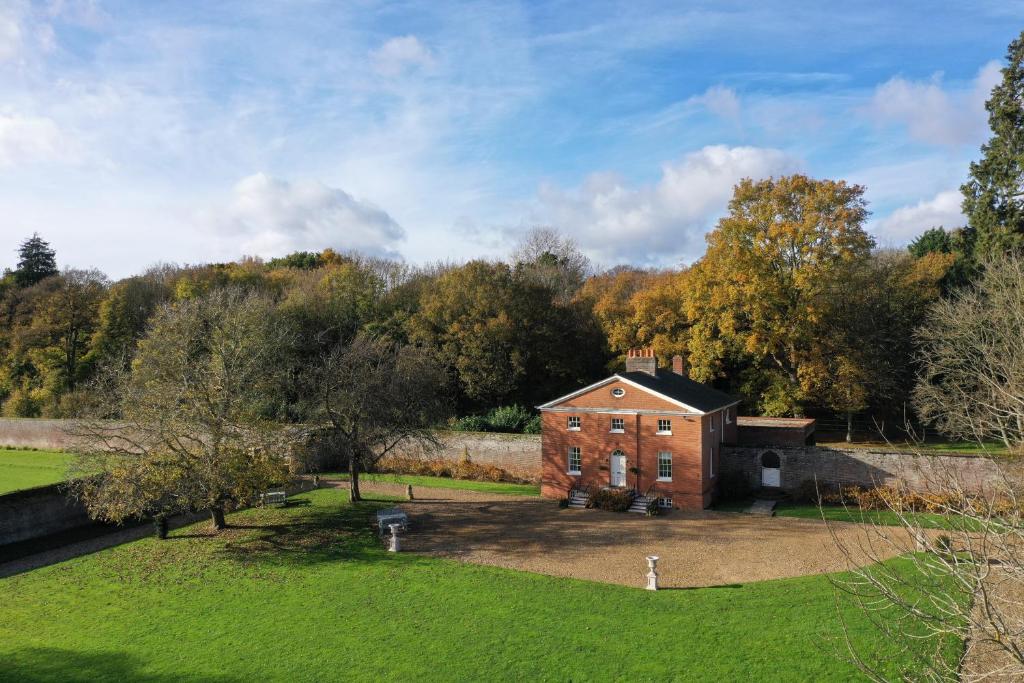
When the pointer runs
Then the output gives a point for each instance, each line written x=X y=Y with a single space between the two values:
x=575 y=462
x=728 y=417
x=664 y=426
x=618 y=392
x=618 y=425
x=574 y=423
x=664 y=466
x=664 y=502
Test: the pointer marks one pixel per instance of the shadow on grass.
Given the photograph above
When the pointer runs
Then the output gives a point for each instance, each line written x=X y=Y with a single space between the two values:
x=36 y=665
x=305 y=534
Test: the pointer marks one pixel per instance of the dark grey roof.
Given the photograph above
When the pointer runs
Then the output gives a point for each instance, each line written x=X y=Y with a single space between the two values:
x=682 y=389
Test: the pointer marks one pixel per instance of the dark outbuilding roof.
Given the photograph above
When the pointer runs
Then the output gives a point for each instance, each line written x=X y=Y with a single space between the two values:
x=683 y=389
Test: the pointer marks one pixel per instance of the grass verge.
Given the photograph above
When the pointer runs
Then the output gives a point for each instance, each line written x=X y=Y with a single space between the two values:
x=306 y=592
x=838 y=513
x=443 y=483
x=25 y=469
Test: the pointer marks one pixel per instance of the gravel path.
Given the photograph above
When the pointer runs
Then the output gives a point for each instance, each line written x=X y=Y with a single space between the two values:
x=696 y=549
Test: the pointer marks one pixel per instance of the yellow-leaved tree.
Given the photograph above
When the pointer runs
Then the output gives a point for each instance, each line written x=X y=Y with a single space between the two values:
x=763 y=291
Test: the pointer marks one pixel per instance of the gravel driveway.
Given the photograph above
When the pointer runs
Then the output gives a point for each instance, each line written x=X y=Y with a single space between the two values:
x=696 y=548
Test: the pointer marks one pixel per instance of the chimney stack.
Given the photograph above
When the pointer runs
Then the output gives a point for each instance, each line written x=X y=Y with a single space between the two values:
x=679 y=365
x=641 y=360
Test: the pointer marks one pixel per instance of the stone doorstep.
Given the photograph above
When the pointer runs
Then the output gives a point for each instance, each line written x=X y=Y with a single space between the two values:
x=765 y=508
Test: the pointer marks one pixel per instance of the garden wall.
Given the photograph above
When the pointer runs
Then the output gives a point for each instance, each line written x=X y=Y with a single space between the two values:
x=35 y=433
x=38 y=512
x=519 y=454
x=863 y=467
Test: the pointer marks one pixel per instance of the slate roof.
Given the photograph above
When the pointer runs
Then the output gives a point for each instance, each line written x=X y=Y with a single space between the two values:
x=683 y=389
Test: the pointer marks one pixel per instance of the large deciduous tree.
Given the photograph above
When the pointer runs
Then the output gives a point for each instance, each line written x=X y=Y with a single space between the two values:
x=370 y=396
x=191 y=429
x=763 y=289
x=994 y=193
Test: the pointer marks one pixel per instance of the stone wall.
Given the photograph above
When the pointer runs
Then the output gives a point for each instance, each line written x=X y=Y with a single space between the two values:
x=519 y=454
x=862 y=467
x=36 y=433
x=38 y=512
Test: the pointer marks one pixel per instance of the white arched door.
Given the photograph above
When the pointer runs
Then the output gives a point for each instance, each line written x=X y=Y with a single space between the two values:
x=771 y=470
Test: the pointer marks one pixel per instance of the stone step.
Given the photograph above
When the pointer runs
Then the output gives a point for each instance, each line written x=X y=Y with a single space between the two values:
x=765 y=508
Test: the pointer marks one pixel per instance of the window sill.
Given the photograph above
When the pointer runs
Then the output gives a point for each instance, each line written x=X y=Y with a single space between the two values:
x=663 y=433
x=573 y=429
x=616 y=431
x=667 y=480
x=574 y=474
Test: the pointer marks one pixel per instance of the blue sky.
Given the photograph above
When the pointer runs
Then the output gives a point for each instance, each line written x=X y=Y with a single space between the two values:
x=139 y=132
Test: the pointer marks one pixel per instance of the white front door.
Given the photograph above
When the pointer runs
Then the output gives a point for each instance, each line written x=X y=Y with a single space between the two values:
x=618 y=469
x=770 y=477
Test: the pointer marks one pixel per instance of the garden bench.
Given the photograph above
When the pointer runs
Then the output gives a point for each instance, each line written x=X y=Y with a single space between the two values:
x=392 y=516
x=274 y=496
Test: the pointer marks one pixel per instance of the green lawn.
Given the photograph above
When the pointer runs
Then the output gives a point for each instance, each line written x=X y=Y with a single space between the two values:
x=307 y=593
x=838 y=513
x=23 y=469
x=444 y=483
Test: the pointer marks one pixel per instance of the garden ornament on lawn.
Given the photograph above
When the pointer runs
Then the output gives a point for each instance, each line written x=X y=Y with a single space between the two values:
x=393 y=544
x=652 y=575
x=408 y=491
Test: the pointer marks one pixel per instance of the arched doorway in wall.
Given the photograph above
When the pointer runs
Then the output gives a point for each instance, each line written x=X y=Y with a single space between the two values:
x=771 y=470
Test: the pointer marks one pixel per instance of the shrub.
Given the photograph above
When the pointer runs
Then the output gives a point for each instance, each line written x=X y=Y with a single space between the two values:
x=510 y=419
x=533 y=426
x=611 y=499
x=470 y=423
x=733 y=486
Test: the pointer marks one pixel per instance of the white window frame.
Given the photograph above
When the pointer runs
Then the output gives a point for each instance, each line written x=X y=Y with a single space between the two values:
x=618 y=430
x=711 y=464
x=570 y=420
x=664 y=432
x=662 y=454
x=618 y=392
x=665 y=502
x=574 y=450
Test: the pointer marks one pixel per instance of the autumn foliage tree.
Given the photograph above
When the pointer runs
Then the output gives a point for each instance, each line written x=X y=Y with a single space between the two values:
x=763 y=289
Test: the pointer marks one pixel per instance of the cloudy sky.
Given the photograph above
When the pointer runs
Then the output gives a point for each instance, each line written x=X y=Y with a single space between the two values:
x=139 y=132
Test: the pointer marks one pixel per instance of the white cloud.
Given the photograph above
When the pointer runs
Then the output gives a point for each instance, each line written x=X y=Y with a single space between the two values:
x=400 y=54
x=907 y=222
x=720 y=101
x=270 y=217
x=25 y=139
x=660 y=223
x=10 y=35
x=933 y=113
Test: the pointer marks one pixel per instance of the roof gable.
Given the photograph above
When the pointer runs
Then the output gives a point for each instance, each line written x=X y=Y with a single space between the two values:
x=669 y=390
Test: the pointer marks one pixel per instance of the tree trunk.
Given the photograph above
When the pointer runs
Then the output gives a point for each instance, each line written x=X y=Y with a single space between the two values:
x=161 y=525
x=217 y=516
x=849 y=427
x=353 y=478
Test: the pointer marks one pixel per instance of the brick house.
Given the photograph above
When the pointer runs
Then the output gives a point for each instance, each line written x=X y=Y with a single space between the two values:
x=650 y=430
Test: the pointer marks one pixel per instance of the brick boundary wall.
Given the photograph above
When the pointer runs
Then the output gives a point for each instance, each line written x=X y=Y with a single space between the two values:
x=518 y=454
x=863 y=467
x=27 y=432
x=37 y=512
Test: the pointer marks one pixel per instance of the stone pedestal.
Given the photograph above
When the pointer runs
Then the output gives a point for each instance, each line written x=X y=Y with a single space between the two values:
x=652 y=574
x=393 y=543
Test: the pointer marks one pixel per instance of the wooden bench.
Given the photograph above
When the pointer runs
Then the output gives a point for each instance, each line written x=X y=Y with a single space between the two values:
x=385 y=518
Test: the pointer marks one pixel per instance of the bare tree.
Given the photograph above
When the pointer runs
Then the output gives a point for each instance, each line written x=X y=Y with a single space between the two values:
x=372 y=396
x=547 y=258
x=972 y=355
x=960 y=583
x=193 y=419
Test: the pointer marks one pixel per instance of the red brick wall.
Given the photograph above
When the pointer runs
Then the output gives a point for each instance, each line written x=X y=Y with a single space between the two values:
x=641 y=445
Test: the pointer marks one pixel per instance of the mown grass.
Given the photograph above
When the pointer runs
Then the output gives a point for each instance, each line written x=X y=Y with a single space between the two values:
x=306 y=593
x=930 y=447
x=443 y=483
x=25 y=469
